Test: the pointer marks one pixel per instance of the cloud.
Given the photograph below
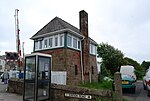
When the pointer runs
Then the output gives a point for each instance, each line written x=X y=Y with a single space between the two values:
x=124 y=24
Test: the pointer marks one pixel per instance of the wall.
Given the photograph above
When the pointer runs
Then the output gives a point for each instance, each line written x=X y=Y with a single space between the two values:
x=60 y=92
x=74 y=70
x=93 y=65
x=66 y=60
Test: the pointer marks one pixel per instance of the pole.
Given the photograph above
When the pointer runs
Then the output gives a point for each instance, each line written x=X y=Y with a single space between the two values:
x=17 y=38
x=23 y=49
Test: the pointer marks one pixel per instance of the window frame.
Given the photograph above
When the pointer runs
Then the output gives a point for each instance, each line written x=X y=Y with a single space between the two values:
x=92 y=49
x=50 y=45
x=36 y=45
x=40 y=44
x=61 y=40
x=69 y=41
x=56 y=42
x=75 y=44
x=46 y=43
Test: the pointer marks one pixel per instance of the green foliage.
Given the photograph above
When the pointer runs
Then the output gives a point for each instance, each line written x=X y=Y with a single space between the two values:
x=98 y=85
x=139 y=71
x=112 y=58
x=101 y=99
x=145 y=65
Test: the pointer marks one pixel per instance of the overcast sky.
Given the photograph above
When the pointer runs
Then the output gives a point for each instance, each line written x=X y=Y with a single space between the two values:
x=124 y=24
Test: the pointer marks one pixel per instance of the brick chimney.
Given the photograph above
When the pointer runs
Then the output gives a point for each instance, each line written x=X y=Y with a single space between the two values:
x=85 y=43
x=84 y=23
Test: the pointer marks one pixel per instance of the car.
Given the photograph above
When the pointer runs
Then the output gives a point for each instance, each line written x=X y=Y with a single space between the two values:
x=146 y=82
x=129 y=70
x=128 y=82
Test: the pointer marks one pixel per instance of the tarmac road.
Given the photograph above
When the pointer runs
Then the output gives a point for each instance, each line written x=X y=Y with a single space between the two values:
x=5 y=96
x=140 y=94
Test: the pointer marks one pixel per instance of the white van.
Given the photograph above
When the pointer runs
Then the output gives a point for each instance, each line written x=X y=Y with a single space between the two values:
x=129 y=70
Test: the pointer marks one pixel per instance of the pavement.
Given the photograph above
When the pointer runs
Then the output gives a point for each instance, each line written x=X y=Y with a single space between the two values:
x=5 y=96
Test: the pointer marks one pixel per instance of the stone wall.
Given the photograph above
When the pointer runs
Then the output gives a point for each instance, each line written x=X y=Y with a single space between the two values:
x=74 y=70
x=66 y=92
x=66 y=60
x=74 y=93
x=69 y=60
x=15 y=86
x=93 y=68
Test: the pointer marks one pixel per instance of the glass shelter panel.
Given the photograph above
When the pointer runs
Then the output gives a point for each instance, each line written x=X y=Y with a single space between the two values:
x=29 y=79
x=43 y=73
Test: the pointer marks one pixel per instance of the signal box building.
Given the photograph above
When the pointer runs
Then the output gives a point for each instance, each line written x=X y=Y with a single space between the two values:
x=71 y=48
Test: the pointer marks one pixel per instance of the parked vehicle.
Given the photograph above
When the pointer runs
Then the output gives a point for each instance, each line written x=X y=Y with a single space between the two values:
x=128 y=82
x=146 y=82
x=128 y=70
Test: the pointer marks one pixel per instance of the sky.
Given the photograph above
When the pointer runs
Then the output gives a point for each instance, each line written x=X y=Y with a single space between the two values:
x=124 y=24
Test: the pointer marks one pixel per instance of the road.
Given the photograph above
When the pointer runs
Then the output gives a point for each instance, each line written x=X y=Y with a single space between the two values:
x=5 y=96
x=140 y=94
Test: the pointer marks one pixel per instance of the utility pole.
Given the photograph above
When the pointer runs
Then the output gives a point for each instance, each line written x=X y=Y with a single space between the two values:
x=23 y=49
x=18 y=47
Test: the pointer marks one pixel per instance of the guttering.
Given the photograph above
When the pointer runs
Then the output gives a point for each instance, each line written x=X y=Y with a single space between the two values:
x=82 y=62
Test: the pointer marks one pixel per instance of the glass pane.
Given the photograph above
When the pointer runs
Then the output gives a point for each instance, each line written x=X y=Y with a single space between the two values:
x=50 y=42
x=74 y=42
x=36 y=45
x=45 y=43
x=61 y=40
x=69 y=40
x=56 y=40
x=30 y=78
x=43 y=78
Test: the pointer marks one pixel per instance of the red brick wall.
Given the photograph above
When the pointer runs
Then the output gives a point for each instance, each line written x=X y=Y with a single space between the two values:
x=69 y=59
x=73 y=58
x=65 y=60
x=58 y=59
x=93 y=64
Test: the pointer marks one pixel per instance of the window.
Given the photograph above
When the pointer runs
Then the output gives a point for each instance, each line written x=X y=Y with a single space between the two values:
x=76 y=70
x=92 y=49
x=50 y=42
x=61 y=40
x=92 y=70
x=40 y=45
x=74 y=43
x=45 y=43
x=56 y=40
x=36 y=45
x=69 y=41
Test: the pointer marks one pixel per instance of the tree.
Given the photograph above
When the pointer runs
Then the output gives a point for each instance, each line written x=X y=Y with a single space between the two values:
x=145 y=65
x=112 y=58
x=139 y=71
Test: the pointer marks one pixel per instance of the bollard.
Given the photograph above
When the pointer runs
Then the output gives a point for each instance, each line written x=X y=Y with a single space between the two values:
x=118 y=86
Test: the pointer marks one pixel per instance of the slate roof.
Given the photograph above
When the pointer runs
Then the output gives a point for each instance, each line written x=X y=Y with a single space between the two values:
x=58 y=24
x=55 y=25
